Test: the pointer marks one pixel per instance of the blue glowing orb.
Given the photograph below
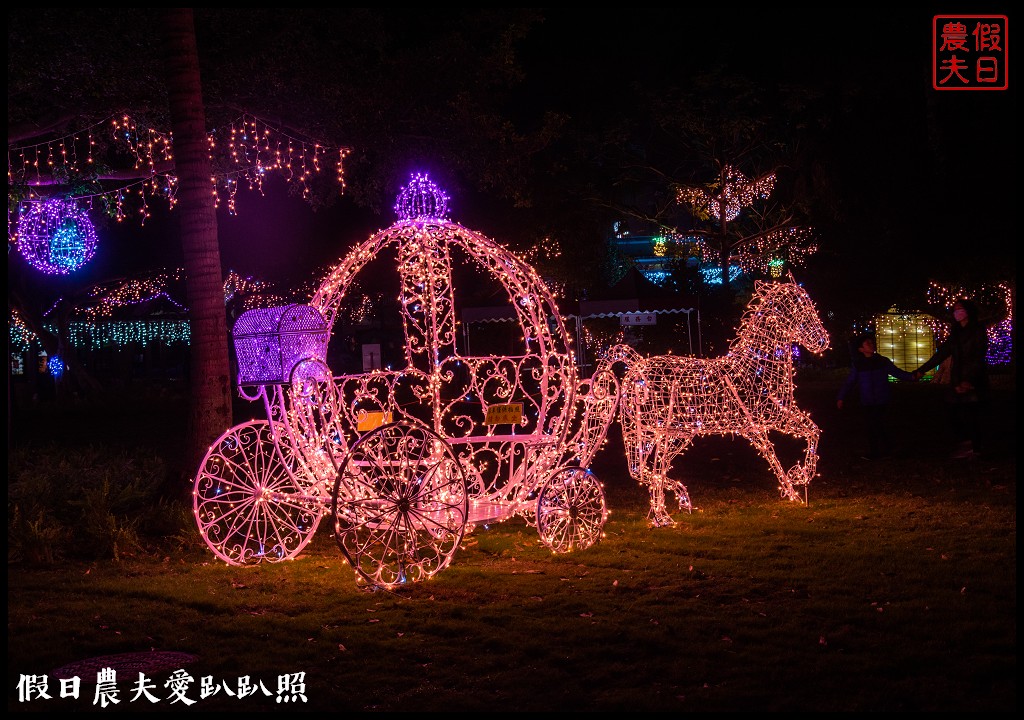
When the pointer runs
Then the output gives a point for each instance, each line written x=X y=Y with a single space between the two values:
x=55 y=366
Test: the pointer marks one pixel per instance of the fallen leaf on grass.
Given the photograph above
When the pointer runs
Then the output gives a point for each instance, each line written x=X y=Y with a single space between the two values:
x=586 y=614
x=341 y=648
x=373 y=620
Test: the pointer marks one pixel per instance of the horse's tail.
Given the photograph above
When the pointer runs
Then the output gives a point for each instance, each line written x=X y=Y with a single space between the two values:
x=615 y=356
x=609 y=360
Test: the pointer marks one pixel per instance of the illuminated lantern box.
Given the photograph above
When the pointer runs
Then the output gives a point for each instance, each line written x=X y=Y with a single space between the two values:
x=269 y=342
x=908 y=339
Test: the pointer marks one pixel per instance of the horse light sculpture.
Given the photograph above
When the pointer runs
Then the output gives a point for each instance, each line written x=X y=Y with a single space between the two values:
x=667 y=401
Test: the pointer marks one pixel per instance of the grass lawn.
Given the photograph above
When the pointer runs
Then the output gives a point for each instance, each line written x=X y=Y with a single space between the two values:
x=893 y=589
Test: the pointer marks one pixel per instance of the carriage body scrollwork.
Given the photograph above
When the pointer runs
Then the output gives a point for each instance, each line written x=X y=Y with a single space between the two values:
x=408 y=460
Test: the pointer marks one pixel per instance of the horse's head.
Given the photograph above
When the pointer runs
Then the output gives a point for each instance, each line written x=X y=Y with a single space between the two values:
x=622 y=354
x=795 y=311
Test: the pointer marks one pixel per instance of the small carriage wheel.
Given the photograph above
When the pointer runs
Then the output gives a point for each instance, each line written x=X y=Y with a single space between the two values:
x=400 y=504
x=248 y=506
x=571 y=511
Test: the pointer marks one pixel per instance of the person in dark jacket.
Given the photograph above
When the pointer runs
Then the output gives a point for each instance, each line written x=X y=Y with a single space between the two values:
x=870 y=374
x=967 y=349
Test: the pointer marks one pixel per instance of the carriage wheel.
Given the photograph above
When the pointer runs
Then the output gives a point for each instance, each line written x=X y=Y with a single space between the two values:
x=400 y=505
x=571 y=511
x=247 y=504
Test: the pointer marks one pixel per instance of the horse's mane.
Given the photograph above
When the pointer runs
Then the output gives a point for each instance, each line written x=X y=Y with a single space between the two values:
x=763 y=292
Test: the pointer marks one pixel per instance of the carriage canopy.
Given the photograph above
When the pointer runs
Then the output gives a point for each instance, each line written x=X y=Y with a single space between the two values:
x=270 y=342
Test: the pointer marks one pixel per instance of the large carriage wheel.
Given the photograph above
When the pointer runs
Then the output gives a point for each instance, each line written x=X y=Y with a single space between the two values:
x=571 y=511
x=400 y=504
x=248 y=507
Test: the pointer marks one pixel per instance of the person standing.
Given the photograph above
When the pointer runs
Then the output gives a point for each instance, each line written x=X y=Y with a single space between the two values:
x=967 y=348
x=870 y=374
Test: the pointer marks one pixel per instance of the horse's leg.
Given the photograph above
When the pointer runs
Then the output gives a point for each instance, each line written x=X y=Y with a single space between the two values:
x=640 y=453
x=649 y=459
x=759 y=439
x=800 y=425
x=666 y=450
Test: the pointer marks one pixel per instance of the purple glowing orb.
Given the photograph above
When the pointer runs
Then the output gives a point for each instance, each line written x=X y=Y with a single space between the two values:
x=56 y=236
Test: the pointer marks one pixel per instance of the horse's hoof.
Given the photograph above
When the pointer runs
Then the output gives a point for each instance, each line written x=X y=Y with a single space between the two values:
x=797 y=475
x=660 y=520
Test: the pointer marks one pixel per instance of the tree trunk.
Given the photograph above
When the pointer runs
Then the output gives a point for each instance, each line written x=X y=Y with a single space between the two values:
x=210 y=402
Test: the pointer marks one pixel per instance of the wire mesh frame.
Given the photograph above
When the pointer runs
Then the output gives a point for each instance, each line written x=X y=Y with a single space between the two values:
x=668 y=400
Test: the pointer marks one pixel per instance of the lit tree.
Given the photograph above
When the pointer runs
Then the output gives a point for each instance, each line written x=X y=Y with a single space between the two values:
x=768 y=240
x=710 y=168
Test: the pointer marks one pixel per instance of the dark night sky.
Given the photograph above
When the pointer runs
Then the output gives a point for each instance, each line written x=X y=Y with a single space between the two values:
x=924 y=175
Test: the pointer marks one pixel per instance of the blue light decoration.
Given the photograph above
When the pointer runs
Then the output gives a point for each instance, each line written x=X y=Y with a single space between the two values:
x=56 y=236
x=713 y=275
x=1000 y=343
x=55 y=366
x=97 y=335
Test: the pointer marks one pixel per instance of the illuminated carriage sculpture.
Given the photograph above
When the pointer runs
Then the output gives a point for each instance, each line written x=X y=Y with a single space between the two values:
x=407 y=461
